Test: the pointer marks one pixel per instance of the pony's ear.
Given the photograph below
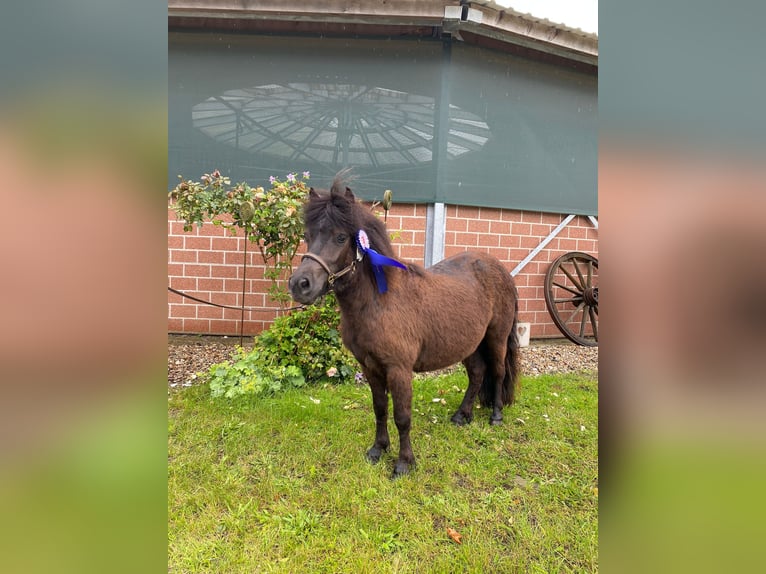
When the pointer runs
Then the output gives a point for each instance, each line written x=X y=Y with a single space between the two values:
x=350 y=195
x=313 y=194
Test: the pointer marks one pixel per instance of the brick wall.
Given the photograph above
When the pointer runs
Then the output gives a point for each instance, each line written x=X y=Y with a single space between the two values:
x=207 y=263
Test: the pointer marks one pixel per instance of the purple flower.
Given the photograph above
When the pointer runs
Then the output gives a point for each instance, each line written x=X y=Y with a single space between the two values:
x=358 y=377
x=290 y=177
x=306 y=175
x=272 y=179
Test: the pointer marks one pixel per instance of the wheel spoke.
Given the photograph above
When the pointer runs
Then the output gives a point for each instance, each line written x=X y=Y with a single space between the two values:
x=579 y=273
x=571 y=278
x=578 y=293
x=568 y=300
x=579 y=307
x=590 y=274
x=593 y=321
x=582 y=323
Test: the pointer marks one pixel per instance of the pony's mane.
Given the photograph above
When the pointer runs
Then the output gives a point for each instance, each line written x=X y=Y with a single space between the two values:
x=341 y=209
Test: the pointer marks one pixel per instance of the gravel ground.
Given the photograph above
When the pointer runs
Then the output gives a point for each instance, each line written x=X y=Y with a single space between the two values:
x=188 y=354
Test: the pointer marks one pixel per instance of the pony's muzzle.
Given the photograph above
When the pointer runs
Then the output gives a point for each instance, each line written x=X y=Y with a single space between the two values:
x=307 y=283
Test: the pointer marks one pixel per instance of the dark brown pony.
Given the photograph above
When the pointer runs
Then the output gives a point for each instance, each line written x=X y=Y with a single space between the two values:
x=461 y=309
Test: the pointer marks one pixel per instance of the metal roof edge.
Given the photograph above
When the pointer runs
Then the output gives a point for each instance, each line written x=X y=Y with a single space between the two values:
x=483 y=18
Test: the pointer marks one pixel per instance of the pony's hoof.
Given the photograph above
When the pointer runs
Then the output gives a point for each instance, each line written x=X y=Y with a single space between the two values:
x=373 y=455
x=495 y=422
x=460 y=419
x=400 y=469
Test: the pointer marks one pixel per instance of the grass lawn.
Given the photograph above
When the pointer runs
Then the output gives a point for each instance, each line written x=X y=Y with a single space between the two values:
x=282 y=485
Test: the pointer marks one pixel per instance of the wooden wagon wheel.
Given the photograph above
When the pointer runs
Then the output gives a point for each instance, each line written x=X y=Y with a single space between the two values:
x=571 y=295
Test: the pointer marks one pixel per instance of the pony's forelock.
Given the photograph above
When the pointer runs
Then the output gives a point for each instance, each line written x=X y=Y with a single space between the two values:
x=341 y=210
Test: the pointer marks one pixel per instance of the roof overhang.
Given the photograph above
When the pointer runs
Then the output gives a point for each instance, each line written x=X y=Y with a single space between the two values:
x=468 y=21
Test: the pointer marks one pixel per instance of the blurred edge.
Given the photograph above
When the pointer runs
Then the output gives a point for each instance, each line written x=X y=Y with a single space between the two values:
x=83 y=151
x=682 y=182
x=83 y=146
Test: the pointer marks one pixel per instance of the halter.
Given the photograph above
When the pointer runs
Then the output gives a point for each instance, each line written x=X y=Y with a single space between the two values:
x=363 y=248
x=333 y=277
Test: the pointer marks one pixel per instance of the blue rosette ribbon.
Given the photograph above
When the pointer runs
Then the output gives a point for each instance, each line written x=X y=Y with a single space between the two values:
x=377 y=260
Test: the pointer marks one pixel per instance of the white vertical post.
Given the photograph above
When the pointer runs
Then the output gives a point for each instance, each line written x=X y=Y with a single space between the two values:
x=436 y=223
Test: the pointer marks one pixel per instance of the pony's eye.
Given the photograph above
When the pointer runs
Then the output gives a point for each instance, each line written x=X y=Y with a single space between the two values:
x=341 y=238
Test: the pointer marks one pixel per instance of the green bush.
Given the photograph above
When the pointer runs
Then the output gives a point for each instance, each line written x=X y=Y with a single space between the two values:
x=301 y=348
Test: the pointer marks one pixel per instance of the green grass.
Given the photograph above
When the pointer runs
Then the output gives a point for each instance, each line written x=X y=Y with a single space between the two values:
x=281 y=484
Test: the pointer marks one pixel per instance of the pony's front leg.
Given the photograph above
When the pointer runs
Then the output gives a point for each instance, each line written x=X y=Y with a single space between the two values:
x=380 y=406
x=400 y=385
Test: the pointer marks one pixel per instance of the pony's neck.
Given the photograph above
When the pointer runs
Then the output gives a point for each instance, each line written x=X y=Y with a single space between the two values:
x=359 y=292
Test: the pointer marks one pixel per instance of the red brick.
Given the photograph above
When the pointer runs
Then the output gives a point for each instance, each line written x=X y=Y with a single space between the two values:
x=566 y=244
x=193 y=242
x=518 y=254
x=414 y=223
x=259 y=285
x=412 y=253
x=551 y=218
x=521 y=229
x=575 y=232
x=456 y=224
x=536 y=304
x=487 y=240
x=468 y=239
x=230 y=244
x=210 y=257
x=191 y=270
x=468 y=212
x=184 y=283
x=531 y=217
x=529 y=242
x=175 y=325
x=524 y=317
x=210 y=284
x=527 y=292
x=228 y=327
x=521 y=280
x=209 y=312
x=175 y=242
x=175 y=270
x=586 y=245
x=478 y=225
x=200 y=326
x=510 y=241
x=540 y=230
x=502 y=254
x=500 y=227
x=226 y=271
x=224 y=298
x=183 y=311
x=177 y=228
x=450 y=250
x=183 y=256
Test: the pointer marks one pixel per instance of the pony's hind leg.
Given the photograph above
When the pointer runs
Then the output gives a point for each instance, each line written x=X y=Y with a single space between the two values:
x=496 y=368
x=380 y=406
x=476 y=368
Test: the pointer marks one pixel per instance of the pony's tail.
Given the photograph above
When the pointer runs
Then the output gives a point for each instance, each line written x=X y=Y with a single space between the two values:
x=511 y=380
x=512 y=368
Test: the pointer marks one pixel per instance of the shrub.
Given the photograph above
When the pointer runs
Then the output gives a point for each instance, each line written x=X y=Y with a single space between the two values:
x=301 y=348
x=271 y=219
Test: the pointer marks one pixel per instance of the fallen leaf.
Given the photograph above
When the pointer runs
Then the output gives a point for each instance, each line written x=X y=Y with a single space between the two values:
x=519 y=481
x=455 y=535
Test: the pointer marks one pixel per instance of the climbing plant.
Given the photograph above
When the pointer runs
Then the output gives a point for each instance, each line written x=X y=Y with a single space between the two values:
x=269 y=218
